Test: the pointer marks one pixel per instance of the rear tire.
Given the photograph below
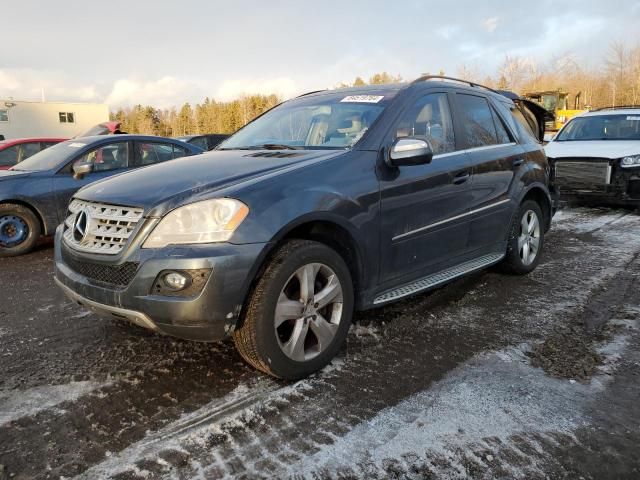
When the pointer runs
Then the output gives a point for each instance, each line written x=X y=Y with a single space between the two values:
x=290 y=330
x=526 y=240
x=19 y=230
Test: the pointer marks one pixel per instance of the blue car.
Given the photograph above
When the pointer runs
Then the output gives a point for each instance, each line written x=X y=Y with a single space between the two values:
x=34 y=195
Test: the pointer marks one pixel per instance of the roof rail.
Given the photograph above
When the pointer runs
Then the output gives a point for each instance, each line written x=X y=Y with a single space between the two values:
x=311 y=93
x=424 y=78
x=620 y=107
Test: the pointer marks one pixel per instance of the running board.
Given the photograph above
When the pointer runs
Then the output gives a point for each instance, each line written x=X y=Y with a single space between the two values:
x=439 y=278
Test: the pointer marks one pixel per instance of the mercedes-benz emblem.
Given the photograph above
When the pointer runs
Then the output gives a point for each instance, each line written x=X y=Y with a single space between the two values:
x=81 y=226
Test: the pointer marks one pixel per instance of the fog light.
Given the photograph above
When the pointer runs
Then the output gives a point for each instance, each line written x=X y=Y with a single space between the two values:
x=176 y=281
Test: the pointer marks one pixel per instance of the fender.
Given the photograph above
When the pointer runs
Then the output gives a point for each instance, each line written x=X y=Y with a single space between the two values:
x=48 y=224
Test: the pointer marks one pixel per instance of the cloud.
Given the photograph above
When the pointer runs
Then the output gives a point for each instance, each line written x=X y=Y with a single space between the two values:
x=29 y=84
x=491 y=23
x=447 y=31
x=165 y=92
x=231 y=89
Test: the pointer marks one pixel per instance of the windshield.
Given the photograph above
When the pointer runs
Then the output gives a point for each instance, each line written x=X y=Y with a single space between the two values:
x=49 y=158
x=332 y=121
x=602 y=127
x=549 y=102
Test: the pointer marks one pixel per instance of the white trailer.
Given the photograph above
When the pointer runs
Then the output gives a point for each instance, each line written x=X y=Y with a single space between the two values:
x=19 y=119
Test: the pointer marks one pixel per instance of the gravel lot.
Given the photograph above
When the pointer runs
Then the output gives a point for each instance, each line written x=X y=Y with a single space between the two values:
x=489 y=377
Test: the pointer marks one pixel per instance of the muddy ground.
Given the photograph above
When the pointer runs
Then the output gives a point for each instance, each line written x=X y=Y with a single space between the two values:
x=489 y=377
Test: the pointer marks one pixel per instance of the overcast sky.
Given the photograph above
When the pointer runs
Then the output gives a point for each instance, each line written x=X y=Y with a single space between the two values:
x=167 y=52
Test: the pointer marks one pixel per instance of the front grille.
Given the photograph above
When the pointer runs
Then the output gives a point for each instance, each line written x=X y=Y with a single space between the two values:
x=583 y=174
x=112 y=275
x=634 y=189
x=105 y=228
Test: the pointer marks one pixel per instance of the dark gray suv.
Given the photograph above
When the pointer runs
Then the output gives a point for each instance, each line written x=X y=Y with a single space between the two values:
x=333 y=201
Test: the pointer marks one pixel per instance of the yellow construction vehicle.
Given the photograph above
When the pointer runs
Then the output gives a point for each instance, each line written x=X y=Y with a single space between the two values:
x=557 y=103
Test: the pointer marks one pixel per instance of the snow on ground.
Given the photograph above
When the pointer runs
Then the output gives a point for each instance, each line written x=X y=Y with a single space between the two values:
x=15 y=404
x=496 y=395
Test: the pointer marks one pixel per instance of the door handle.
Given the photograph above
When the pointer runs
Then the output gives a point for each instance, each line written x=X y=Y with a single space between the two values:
x=461 y=178
x=518 y=162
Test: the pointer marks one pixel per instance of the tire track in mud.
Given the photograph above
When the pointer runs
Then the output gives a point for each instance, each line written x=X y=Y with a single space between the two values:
x=392 y=354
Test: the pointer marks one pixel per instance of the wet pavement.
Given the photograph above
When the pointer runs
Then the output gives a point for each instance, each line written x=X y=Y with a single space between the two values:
x=492 y=376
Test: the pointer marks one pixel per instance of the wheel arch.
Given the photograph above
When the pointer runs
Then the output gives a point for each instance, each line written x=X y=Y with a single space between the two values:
x=322 y=229
x=540 y=194
x=34 y=210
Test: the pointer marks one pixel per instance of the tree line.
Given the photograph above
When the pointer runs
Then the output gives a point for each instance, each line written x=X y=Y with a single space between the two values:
x=614 y=80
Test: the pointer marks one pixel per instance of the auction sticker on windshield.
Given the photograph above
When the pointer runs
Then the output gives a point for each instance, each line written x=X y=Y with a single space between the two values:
x=363 y=98
x=77 y=145
x=633 y=118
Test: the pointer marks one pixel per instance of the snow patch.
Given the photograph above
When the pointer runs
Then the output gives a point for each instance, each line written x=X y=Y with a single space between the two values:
x=15 y=404
x=496 y=394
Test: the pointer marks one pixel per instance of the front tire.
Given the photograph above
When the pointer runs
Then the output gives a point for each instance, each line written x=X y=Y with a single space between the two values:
x=19 y=230
x=526 y=239
x=299 y=312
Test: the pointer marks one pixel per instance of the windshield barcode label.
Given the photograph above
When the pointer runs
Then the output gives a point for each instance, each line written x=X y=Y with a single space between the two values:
x=363 y=98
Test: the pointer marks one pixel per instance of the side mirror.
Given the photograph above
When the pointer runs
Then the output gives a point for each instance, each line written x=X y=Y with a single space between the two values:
x=410 y=151
x=80 y=170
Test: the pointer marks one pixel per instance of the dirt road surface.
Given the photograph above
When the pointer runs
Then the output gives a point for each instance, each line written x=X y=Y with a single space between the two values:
x=492 y=376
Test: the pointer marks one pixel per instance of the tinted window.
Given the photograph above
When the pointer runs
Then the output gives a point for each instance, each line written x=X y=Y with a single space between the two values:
x=9 y=156
x=148 y=153
x=199 y=142
x=107 y=157
x=501 y=130
x=179 y=152
x=477 y=121
x=429 y=119
x=523 y=126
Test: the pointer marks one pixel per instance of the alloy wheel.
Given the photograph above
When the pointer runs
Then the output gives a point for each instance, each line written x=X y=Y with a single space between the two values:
x=308 y=312
x=529 y=239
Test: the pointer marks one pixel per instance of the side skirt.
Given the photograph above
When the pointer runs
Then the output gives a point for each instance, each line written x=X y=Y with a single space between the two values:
x=439 y=278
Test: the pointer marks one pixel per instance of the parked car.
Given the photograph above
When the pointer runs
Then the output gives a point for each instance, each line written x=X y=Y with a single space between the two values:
x=34 y=194
x=104 y=128
x=376 y=193
x=206 y=142
x=18 y=149
x=596 y=157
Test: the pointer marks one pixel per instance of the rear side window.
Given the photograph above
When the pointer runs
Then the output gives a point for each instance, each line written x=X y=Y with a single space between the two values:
x=9 y=156
x=179 y=152
x=501 y=130
x=477 y=122
x=148 y=153
x=518 y=122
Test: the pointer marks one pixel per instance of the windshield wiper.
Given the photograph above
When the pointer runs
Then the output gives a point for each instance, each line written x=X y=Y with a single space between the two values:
x=273 y=146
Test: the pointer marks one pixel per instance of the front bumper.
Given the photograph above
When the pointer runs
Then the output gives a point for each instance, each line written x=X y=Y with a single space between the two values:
x=209 y=315
x=621 y=187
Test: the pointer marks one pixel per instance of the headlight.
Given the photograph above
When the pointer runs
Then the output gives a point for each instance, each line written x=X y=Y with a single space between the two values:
x=201 y=222
x=630 y=161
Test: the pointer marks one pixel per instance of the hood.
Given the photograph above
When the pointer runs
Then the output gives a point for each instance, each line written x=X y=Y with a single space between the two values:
x=197 y=175
x=11 y=174
x=593 y=148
